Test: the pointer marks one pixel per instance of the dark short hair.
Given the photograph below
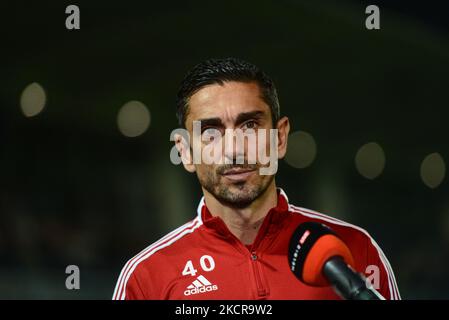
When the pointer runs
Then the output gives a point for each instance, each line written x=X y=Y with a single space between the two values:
x=222 y=70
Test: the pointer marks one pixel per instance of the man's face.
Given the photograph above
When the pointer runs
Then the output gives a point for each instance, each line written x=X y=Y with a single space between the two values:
x=233 y=105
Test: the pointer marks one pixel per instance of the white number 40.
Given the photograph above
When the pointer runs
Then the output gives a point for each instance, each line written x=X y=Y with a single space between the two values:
x=207 y=263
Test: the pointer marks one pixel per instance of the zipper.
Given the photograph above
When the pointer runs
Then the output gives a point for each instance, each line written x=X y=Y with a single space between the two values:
x=261 y=290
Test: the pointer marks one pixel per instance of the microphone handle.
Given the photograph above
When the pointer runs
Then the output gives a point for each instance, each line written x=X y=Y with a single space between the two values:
x=347 y=283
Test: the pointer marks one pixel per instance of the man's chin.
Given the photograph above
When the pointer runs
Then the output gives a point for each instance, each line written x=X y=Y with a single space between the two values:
x=238 y=195
x=236 y=202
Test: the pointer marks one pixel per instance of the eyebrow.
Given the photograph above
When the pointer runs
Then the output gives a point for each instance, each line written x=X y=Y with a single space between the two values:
x=213 y=122
x=242 y=117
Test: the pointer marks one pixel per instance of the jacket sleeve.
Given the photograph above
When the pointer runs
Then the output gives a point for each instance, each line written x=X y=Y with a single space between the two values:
x=129 y=286
x=133 y=291
x=379 y=272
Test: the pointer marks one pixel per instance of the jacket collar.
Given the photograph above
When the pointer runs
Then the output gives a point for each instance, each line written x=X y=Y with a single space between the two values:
x=273 y=219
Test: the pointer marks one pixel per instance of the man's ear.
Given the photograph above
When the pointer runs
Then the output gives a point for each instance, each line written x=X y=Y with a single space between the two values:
x=184 y=150
x=283 y=127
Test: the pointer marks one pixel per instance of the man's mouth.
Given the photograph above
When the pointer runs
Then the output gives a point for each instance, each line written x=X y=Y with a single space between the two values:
x=238 y=174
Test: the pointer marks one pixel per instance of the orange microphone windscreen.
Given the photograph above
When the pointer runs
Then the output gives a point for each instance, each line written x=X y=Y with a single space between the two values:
x=325 y=247
x=311 y=246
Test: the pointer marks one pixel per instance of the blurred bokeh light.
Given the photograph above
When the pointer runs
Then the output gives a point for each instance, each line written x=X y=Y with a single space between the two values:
x=301 y=150
x=133 y=119
x=33 y=99
x=370 y=160
x=433 y=170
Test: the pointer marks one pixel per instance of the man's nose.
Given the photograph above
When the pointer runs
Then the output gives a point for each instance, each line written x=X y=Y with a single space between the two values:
x=234 y=152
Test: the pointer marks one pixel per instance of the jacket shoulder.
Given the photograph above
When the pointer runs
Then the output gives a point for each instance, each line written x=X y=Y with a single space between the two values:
x=340 y=226
x=360 y=242
x=150 y=259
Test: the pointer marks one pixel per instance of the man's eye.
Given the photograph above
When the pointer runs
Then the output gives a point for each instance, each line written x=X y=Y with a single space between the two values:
x=250 y=125
x=209 y=131
x=210 y=134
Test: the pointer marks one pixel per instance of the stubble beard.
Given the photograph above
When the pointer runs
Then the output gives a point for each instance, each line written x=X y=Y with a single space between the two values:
x=238 y=194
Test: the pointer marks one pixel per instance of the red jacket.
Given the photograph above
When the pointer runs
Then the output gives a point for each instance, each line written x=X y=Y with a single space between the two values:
x=204 y=260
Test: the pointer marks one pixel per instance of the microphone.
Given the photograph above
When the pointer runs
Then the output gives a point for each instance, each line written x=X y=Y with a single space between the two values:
x=318 y=257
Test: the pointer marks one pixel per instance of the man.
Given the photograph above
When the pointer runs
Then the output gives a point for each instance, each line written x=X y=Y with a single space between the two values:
x=237 y=246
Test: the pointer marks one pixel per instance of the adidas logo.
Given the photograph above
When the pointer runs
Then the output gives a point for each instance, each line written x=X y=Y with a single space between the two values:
x=200 y=285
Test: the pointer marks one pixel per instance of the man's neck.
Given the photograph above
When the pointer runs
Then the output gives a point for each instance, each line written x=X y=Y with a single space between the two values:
x=244 y=223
